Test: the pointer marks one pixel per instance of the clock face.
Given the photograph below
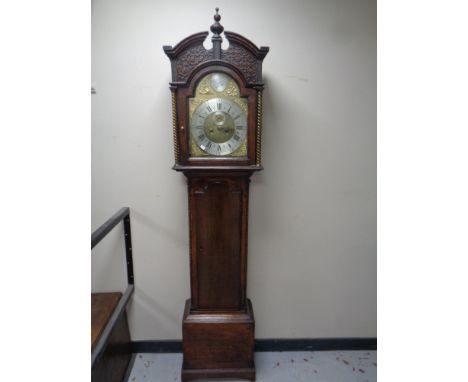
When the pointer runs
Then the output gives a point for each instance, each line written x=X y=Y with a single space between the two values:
x=218 y=118
x=219 y=126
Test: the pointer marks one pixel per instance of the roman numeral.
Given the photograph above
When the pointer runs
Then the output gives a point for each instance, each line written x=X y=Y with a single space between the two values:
x=237 y=116
x=201 y=137
x=219 y=106
x=209 y=109
x=236 y=137
x=208 y=145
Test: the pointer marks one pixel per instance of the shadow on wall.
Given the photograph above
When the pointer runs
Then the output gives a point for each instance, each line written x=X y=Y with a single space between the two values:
x=178 y=237
x=146 y=305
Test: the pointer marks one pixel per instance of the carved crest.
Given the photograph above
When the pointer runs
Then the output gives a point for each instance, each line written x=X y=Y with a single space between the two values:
x=190 y=53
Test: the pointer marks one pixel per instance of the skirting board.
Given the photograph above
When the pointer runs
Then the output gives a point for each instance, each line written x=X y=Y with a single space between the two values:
x=295 y=344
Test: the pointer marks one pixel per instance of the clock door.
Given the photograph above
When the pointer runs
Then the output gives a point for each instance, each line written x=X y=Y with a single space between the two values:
x=218 y=119
x=218 y=212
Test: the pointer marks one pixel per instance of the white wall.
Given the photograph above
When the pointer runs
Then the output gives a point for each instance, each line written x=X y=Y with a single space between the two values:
x=312 y=237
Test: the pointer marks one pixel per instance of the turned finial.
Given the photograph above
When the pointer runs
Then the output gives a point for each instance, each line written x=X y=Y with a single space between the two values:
x=217 y=28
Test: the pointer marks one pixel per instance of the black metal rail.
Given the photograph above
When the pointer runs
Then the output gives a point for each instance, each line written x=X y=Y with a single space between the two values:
x=122 y=215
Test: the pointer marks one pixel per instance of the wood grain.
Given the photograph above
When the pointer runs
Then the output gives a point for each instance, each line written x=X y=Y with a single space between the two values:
x=102 y=306
x=218 y=344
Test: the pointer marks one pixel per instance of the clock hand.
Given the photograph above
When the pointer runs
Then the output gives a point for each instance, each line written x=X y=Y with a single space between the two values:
x=225 y=129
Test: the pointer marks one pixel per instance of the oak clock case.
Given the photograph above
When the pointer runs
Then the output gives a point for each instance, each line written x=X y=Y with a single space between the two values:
x=206 y=135
x=217 y=125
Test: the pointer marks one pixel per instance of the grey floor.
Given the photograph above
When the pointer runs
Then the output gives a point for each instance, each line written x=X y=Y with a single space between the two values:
x=319 y=366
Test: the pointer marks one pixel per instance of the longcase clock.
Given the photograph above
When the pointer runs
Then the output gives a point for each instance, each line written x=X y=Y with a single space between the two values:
x=217 y=127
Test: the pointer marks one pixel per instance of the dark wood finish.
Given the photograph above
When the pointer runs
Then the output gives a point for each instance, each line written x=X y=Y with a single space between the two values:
x=102 y=340
x=189 y=91
x=102 y=307
x=241 y=53
x=218 y=324
x=190 y=61
x=217 y=29
x=218 y=344
x=236 y=373
x=218 y=213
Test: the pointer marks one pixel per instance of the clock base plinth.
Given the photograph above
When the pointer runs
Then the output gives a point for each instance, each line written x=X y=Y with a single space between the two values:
x=218 y=344
x=194 y=374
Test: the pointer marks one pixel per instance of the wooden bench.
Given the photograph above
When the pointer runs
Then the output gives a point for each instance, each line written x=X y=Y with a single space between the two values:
x=110 y=337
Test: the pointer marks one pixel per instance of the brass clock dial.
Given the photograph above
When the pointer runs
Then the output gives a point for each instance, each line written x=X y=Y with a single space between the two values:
x=219 y=126
x=218 y=118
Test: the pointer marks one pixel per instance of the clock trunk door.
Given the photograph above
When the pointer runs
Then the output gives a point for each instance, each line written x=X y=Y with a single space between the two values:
x=218 y=212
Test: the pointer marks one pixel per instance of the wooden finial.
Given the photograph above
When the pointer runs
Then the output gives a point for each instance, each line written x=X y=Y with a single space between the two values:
x=217 y=28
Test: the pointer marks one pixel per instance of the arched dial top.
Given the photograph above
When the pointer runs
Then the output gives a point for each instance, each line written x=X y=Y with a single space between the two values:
x=218 y=118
